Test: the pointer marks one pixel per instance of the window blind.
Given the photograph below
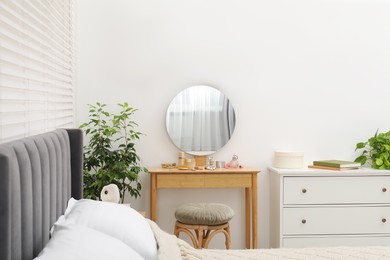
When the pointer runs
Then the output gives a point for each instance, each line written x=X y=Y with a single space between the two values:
x=37 y=61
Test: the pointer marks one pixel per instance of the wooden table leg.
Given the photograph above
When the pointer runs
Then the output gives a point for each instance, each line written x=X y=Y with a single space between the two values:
x=153 y=194
x=254 y=210
x=248 y=218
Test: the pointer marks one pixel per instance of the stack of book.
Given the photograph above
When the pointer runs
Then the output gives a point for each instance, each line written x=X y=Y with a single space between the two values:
x=336 y=165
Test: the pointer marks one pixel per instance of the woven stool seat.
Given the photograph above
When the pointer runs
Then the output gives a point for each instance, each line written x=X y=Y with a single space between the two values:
x=206 y=219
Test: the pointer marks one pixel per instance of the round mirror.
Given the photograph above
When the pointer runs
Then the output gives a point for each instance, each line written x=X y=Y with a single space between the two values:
x=200 y=120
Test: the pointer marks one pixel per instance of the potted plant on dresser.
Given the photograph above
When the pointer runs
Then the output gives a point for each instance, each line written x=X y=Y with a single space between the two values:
x=376 y=151
x=110 y=155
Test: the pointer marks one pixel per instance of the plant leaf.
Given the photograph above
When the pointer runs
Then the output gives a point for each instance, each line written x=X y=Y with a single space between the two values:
x=379 y=162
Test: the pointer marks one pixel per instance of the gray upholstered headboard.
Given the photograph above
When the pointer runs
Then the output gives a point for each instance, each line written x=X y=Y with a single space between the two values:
x=38 y=175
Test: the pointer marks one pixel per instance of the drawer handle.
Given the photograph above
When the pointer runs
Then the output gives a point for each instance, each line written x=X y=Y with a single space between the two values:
x=384 y=189
x=304 y=190
x=303 y=221
x=384 y=220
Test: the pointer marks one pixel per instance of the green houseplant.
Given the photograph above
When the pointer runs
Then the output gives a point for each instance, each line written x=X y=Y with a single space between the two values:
x=110 y=155
x=376 y=151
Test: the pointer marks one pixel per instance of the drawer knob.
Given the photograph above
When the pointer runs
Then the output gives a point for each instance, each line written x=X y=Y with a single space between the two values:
x=384 y=220
x=304 y=190
x=303 y=221
x=384 y=189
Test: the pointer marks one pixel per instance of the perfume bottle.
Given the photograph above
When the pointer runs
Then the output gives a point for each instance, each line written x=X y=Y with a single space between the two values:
x=234 y=162
x=211 y=164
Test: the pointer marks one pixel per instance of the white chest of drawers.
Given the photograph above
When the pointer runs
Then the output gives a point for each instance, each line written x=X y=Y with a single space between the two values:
x=311 y=208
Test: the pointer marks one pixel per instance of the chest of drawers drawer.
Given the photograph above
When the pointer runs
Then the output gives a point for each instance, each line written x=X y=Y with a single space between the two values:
x=336 y=220
x=336 y=190
x=325 y=241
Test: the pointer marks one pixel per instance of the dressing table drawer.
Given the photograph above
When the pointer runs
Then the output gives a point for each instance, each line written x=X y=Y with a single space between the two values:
x=336 y=190
x=208 y=180
x=180 y=180
x=231 y=181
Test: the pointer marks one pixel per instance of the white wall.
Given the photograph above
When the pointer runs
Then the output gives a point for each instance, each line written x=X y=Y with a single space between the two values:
x=302 y=75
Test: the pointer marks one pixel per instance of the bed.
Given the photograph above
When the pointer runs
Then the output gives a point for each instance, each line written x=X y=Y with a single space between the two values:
x=43 y=215
x=38 y=175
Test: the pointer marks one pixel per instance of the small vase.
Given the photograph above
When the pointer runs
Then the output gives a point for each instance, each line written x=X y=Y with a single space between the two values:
x=234 y=162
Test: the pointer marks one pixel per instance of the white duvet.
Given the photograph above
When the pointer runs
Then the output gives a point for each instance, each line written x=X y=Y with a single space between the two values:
x=172 y=248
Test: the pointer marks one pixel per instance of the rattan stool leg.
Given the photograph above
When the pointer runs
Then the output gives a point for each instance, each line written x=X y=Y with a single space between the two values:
x=224 y=228
x=179 y=229
x=228 y=238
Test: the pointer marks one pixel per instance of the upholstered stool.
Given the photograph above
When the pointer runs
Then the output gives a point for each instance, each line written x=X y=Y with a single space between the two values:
x=206 y=219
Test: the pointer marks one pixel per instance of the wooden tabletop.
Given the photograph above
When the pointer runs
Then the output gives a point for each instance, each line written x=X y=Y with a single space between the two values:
x=219 y=170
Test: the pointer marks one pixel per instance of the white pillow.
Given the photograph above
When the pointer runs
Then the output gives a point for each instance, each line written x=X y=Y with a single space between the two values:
x=119 y=221
x=61 y=219
x=81 y=243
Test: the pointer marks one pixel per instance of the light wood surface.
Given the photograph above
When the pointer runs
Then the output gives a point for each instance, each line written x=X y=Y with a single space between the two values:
x=219 y=178
x=203 y=180
x=247 y=217
x=254 y=209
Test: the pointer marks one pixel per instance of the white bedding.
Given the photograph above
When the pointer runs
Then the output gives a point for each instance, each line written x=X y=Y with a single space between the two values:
x=98 y=230
x=116 y=224
x=172 y=248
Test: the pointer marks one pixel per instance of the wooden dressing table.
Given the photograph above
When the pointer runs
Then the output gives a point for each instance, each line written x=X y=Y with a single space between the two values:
x=219 y=178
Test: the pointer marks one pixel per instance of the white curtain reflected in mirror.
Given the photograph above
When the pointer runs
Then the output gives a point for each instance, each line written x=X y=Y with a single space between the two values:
x=200 y=120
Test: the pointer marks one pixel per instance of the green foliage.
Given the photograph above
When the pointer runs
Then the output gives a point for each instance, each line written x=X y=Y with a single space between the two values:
x=110 y=156
x=375 y=151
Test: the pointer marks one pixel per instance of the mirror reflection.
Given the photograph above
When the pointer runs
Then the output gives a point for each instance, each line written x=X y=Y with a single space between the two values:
x=200 y=120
